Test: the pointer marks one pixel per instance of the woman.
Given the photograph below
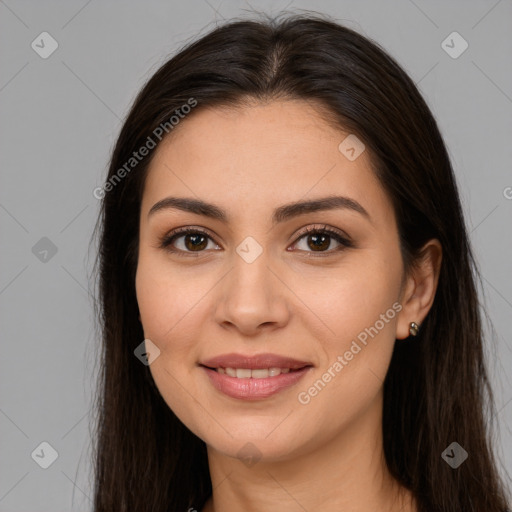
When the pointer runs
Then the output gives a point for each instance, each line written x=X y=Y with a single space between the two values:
x=288 y=301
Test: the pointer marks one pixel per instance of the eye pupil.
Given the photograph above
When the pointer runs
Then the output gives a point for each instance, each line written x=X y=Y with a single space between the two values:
x=195 y=238
x=319 y=238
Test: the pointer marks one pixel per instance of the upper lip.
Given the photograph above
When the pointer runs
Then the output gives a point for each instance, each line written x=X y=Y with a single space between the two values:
x=254 y=362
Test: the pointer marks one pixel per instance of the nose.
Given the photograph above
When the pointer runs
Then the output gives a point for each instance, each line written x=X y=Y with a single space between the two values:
x=252 y=297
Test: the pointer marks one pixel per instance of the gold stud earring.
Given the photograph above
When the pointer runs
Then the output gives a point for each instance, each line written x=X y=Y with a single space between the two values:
x=413 y=328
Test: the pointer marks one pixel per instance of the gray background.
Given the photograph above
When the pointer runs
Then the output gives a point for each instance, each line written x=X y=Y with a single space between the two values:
x=59 y=119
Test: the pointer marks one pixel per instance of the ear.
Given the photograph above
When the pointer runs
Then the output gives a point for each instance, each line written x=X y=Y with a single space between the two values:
x=420 y=287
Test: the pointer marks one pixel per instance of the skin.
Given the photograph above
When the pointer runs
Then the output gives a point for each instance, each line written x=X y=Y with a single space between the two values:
x=326 y=454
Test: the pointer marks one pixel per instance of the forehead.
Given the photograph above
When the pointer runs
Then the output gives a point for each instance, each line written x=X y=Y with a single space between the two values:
x=260 y=155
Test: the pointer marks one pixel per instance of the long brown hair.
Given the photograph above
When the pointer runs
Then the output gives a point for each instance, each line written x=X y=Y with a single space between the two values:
x=436 y=390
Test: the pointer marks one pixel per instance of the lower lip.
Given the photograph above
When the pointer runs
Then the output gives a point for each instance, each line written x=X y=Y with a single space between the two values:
x=254 y=389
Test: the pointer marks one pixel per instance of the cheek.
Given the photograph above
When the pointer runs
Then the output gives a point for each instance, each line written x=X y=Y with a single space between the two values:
x=169 y=307
x=353 y=297
x=359 y=308
x=166 y=301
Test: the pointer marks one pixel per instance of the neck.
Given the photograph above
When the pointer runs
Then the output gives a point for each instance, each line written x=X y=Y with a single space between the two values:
x=348 y=472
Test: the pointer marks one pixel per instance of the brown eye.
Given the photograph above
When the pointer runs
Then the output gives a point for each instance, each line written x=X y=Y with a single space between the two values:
x=321 y=240
x=186 y=240
x=195 y=241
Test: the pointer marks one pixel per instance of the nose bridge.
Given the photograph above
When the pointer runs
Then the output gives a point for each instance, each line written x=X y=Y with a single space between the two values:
x=252 y=294
x=251 y=274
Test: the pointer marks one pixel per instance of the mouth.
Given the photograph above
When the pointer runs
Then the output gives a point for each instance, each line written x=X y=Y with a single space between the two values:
x=254 y=377
x=256 y=373
x=259 y=362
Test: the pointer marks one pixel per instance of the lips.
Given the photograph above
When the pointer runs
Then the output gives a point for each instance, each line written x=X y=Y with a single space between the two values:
x=255 y=362
x=254 y=388
x=254 y=377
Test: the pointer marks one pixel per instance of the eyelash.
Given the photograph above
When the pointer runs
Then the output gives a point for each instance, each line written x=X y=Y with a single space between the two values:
x=166 y=241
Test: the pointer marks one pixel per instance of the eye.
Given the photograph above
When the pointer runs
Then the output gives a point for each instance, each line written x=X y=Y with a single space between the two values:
x=319 y=239
x=196 y=240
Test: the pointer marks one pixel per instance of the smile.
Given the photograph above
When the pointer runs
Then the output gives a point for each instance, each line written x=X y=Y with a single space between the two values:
x=247 y=373
x=253 y=384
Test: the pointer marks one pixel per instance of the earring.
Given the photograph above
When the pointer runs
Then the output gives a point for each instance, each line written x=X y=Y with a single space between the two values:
x=413 y=328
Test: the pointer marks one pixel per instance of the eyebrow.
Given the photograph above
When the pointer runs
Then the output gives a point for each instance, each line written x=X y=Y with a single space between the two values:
x=280 y=214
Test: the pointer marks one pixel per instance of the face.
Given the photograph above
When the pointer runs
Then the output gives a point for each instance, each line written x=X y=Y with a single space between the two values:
x=319 y=287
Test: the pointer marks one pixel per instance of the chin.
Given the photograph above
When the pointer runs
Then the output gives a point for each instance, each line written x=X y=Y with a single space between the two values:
x=253 y=450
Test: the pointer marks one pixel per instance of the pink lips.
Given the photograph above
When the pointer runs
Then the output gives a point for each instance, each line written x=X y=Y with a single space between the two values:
x=254 y=362
x=252 y=388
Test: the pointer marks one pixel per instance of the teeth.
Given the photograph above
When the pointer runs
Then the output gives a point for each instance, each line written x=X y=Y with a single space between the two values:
x=263 y=373
x=246 y=373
